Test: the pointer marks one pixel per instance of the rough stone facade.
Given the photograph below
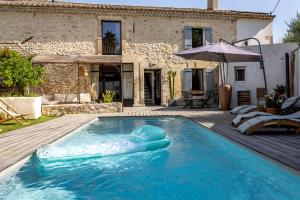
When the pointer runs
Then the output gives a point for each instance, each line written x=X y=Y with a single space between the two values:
x=63 y=79
x=62 y=109
x=148 y=41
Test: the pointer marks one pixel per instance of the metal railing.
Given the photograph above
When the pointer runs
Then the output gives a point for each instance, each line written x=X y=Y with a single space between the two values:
x=110 y=48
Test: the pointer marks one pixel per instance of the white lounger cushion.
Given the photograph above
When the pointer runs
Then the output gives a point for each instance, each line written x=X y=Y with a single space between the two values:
x=289 y=102
x=257 y=120
x=246 y=109
x=237 y=109
x=240 y=117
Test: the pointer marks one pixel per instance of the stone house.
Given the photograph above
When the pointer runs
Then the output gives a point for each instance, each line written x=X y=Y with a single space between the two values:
x=128 y=49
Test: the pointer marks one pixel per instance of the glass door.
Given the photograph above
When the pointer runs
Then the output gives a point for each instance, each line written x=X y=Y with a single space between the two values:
x=127 y=84
x=110 y=79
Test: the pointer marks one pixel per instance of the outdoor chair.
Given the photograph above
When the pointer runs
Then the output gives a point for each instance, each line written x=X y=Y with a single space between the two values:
x=187 y=98
x=286 y=107
x=260 y=96
x=243 y=98
x=260 y=122
x=12 y=114
x=201 y=98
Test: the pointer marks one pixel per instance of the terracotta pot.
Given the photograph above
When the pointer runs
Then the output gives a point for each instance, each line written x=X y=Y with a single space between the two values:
x=225 y=97
x=274 y=111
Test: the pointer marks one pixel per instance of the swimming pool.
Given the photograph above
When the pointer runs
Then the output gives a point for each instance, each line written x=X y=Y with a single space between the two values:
x=198 y=164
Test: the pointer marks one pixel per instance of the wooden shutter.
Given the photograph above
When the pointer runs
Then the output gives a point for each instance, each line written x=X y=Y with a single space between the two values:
x=207 y=35
x=188 y=33
x=187 y=80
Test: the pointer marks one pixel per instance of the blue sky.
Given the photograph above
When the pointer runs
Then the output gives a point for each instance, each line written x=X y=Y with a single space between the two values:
x=284 y=12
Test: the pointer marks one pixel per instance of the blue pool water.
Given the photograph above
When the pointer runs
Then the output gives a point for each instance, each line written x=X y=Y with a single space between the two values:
x=198 y=164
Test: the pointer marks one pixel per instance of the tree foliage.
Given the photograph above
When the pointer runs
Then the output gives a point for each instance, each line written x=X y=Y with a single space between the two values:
x=18 y=73
x=293 y=33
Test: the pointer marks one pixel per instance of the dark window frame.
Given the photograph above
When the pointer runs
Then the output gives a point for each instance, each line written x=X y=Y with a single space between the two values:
x=113 y=21
x=202 y=36
x=237 y=78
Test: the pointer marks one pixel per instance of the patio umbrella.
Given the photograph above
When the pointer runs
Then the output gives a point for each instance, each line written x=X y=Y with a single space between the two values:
x=220 y=52
x=223 y=53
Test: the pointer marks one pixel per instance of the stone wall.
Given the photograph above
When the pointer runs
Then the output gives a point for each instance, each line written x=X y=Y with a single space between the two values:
x=62 y=109
x=63 y=79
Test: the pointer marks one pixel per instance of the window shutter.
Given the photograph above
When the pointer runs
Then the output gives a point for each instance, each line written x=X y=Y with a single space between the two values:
x=207 y=35
x=188 y=37
x=187 y=80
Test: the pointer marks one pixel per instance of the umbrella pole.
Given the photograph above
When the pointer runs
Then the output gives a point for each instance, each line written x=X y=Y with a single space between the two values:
x=220 y=70
x=78 y=83
x=262 y=64
x=224 y=78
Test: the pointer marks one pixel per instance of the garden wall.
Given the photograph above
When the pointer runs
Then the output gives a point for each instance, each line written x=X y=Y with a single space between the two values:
x=62 y=109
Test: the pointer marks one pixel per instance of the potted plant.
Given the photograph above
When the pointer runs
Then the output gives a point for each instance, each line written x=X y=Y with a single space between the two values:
x=108 y=96
x=274 y=102
x=280 y=89
x=20 y=76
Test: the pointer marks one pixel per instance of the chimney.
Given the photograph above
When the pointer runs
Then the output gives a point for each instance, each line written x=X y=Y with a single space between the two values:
x=212 y=4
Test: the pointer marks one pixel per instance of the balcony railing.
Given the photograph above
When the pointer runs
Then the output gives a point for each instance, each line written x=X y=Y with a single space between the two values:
x=110 y=48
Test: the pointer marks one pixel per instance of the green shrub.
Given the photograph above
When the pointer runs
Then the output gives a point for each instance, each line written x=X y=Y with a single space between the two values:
x=18 y=73
x=108 y=96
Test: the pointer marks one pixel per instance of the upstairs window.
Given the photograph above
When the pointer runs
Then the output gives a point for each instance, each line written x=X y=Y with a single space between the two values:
x=111 y=38
x=197 y=37
x=240 y=74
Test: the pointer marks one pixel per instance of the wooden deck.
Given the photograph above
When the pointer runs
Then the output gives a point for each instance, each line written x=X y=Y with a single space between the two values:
x=280 y=146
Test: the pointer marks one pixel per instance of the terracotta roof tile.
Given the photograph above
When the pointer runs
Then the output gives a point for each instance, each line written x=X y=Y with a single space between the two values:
x=166 y=11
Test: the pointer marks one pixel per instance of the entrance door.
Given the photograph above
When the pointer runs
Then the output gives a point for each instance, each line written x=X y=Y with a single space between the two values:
x=157 y=87
x=108 y=77
x=152 y=87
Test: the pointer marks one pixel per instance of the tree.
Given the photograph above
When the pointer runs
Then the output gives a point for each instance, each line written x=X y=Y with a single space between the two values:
x=293 y=33
x=18 y=73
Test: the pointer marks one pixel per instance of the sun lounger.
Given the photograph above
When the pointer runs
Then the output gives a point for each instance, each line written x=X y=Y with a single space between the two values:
x=251 y=125
x=242 y=117
x=288 y=103
x=11 y=114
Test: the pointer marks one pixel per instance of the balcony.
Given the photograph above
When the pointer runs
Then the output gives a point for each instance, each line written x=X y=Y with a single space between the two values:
x=111 y=48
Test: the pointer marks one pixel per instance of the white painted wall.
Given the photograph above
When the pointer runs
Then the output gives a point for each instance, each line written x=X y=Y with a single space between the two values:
x=274 y=57
x=258 y=29
x=297 y=74
x=29 y=106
